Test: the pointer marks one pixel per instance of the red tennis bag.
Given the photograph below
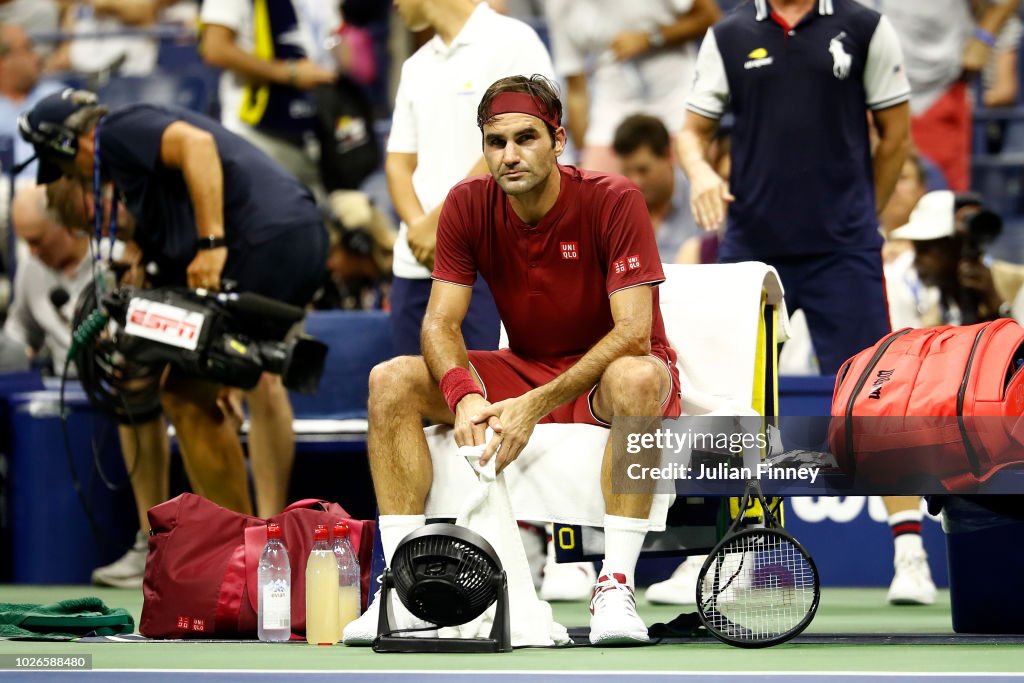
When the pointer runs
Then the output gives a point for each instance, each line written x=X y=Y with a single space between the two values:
x=938 y=403
x=200 y=579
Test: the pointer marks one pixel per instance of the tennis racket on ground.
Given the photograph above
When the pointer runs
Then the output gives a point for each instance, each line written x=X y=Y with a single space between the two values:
x=758 y=586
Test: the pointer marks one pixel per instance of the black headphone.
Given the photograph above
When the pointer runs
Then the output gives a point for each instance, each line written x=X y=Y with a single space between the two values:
x=56 y=139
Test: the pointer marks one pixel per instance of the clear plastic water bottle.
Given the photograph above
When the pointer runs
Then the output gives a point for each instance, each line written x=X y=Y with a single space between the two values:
x=322 y=591
x=348 y=575
x=274 y=577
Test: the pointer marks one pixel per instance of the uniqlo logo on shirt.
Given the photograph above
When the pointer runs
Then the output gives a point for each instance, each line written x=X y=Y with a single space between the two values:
x=625 y=264
x=184 y=622
x=570 y=251
x=198 y=624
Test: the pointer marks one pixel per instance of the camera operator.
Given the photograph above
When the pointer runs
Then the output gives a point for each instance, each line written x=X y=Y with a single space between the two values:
x=208 y=208
x=949 y=232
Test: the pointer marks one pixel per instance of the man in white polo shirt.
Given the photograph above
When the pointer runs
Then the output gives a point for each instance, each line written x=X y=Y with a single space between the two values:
x=434 y=143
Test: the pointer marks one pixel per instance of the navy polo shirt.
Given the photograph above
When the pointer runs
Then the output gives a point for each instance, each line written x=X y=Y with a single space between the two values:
x=262 y=200
x=801 y=160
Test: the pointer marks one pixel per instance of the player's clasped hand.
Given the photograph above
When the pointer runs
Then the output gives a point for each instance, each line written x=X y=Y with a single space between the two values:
x=467 y=432
x=513 y=421
x=206 y=268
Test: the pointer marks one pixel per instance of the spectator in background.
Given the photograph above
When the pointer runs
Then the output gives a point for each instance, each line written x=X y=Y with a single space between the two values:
x=35 y=16
x=48 y=283
x=434 y=144
x=644 y=152
x=270 y=70
x=20 y=88
x=942 y=43
x=47 y=286
x=621 y=58
x=95 y=50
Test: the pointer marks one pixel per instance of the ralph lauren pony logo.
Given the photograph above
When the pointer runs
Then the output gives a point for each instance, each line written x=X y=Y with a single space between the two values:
x=570 y=251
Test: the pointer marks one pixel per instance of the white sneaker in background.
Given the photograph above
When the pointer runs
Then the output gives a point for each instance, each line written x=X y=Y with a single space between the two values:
x=912 y=582
x=567 y=581
x=613 y=617
x=128 y=570
x=363 y=631
x=681 y=587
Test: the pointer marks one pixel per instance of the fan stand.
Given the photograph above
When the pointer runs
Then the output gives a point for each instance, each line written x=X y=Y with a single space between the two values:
x=501 y=632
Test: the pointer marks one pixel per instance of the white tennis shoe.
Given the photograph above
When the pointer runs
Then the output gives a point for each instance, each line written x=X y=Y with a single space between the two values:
x=363 y=631
x=681 y=587
x=613 y=617
x=912 y=583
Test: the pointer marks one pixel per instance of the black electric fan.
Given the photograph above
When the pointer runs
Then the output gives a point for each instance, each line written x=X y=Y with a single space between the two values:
x=447 y=575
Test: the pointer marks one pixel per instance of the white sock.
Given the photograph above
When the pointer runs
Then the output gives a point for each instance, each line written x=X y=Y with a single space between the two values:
x=623 y=539
x=906 y=526
x=393 y=528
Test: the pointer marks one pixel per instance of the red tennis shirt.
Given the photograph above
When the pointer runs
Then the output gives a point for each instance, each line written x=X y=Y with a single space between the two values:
x=551 y=281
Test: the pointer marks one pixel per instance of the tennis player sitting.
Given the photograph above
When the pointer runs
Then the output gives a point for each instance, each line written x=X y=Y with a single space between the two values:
x=571 y=259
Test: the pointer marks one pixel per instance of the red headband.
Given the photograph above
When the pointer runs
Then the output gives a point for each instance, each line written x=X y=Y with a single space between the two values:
x=521 y=103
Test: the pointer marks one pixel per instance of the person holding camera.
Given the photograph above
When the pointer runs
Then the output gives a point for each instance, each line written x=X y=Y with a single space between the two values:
x=209 y=208
x=949 y=232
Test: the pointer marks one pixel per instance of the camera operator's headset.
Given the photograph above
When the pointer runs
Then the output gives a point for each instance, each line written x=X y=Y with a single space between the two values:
x=54 y=140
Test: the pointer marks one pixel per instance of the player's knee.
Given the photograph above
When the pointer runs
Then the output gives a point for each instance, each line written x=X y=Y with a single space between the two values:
x=634 y=384
x=397 y=381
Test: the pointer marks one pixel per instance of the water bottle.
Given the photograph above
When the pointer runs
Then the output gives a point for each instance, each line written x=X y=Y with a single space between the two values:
x=274 y=580
x=322 y=591
x=348 y=576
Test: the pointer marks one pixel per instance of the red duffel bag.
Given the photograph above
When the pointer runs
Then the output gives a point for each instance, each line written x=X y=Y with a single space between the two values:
x=200 y=579
x=938 y=403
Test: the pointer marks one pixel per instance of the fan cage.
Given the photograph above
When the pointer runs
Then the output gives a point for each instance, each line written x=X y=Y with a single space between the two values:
x=444 y=578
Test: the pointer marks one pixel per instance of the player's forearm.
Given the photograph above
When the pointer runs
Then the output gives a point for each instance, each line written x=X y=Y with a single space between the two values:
x=204 y=177
x=627 y=338
x=443 y=346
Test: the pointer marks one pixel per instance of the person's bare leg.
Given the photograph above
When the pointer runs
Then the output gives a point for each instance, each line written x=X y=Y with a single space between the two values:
x=147 y=457
x=402 y=393
x=210 y=449
x=271 y=444
x=631 y=387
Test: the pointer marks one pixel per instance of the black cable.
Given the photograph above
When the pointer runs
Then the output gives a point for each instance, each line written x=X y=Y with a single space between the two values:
x=98 y=536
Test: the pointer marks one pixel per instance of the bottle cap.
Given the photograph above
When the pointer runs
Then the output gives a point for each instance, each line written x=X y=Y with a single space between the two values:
x=273 y=530
x=321 y=533
x=341 y=530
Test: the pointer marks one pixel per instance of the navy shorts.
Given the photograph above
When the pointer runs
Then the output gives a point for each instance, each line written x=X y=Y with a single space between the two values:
x=289 y=267
x=480 y=329
x=843 y=297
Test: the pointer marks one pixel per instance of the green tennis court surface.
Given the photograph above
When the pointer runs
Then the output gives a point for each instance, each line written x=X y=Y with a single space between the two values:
x=843 y=612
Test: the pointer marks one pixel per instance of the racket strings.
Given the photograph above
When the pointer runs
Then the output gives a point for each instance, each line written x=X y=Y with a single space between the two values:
x=759 y=587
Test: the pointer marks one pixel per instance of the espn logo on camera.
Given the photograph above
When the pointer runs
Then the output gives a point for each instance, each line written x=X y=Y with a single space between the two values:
x=164 y=323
